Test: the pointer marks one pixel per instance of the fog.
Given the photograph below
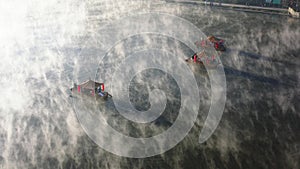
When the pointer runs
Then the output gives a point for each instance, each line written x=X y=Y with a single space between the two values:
x=48 y=46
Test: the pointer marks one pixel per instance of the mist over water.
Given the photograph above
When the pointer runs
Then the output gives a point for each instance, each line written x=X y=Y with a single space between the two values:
x=46 y=46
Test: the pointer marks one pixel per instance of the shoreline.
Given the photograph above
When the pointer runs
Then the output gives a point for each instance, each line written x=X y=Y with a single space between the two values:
x=245 y=8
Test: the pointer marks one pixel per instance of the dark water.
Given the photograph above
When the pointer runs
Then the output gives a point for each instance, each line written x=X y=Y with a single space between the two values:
x=260 y=124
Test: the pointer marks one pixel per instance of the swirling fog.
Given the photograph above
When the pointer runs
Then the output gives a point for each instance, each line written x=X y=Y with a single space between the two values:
x=45 y=49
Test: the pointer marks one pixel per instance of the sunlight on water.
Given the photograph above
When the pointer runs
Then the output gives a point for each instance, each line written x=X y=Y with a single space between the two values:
x=45 y=48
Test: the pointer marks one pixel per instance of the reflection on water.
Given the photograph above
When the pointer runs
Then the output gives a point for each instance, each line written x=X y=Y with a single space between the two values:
x=260 y=124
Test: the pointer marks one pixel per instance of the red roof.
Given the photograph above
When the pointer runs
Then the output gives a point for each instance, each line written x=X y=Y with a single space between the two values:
x=90 y=84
